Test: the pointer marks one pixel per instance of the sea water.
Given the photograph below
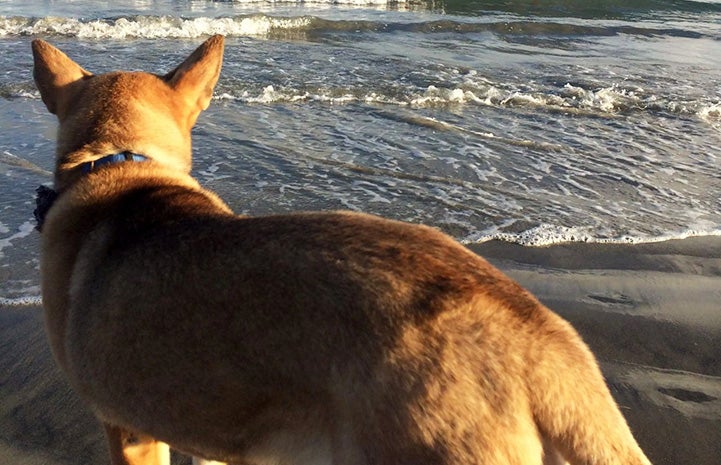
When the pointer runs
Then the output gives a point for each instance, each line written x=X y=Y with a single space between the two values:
x=530 y=121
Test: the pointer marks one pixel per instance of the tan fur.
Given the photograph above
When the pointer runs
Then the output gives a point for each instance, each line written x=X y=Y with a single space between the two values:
x=313 y=338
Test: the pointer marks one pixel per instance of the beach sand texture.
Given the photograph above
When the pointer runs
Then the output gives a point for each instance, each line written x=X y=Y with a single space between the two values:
x=650 y=312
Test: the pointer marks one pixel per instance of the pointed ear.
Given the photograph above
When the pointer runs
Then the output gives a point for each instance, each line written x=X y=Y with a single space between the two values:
x=54 y=72
x=196 y=77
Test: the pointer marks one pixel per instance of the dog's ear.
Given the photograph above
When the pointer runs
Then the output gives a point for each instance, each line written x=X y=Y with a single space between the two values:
x=54 y=72
x=196 y=77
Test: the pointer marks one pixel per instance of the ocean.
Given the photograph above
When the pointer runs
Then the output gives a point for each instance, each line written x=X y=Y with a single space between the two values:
x=535 y=122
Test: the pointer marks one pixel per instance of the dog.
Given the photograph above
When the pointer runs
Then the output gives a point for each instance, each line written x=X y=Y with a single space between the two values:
x=310 y=338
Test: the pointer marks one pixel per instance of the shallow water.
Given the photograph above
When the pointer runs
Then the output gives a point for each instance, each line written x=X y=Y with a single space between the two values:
x=535 y=122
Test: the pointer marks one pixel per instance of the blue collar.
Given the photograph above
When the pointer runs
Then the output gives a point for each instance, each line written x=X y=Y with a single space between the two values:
x=87 y=167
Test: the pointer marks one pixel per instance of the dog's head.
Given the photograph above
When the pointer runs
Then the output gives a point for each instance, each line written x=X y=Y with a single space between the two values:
x=115 y=112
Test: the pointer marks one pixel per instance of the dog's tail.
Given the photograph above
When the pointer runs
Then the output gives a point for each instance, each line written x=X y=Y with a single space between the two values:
x=572 y=405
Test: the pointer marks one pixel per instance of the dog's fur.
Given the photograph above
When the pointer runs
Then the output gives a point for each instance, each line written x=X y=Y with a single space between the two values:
x=312 y=338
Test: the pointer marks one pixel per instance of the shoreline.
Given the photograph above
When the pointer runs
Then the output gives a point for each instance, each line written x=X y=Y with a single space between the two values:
x=648 y=311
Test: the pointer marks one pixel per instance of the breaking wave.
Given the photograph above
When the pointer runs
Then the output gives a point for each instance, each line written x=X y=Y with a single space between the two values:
x=569 y=99
x=545 y=235
x=152 y=27
x=605 y=101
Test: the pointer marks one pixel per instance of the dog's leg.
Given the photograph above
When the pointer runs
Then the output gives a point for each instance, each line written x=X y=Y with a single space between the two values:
x=129 y=448
x=572 y=405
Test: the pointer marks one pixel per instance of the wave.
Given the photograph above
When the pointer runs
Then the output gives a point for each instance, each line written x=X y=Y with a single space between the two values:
x=605 y=102
x=601 y=102
x=172 y=27
x=545 y=235
x=149 y=27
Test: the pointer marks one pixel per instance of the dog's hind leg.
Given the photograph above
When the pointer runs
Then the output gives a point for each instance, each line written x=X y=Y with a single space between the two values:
x=571 y=403
x=129 y=448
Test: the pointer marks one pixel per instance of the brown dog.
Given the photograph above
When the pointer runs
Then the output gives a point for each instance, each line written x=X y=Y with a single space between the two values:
x=314 y=338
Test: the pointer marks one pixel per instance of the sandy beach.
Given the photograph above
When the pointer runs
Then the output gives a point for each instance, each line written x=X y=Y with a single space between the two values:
x=651 y=313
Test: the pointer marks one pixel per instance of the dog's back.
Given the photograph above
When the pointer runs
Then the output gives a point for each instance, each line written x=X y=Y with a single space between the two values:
x=310 y=338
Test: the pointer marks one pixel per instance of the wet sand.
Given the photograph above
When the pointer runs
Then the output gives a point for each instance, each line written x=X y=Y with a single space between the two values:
x=651 y=313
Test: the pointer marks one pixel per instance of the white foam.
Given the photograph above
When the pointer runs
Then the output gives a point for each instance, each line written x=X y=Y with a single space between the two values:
x=710 y=113
x=270 y=95
x=150 y=27
x=433 y=96
x=26 y=301
x=606 y=101
x=546 y=234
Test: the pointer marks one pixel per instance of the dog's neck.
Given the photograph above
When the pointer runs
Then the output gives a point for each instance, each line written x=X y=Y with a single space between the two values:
x=46 y=196
x=72 y=166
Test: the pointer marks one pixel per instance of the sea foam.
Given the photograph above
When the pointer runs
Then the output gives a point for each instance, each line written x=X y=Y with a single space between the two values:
x=26 y=301
x=149 y=27
x=546 y=234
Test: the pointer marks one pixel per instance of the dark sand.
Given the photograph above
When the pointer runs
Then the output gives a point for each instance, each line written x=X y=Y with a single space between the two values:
x=651 y=313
